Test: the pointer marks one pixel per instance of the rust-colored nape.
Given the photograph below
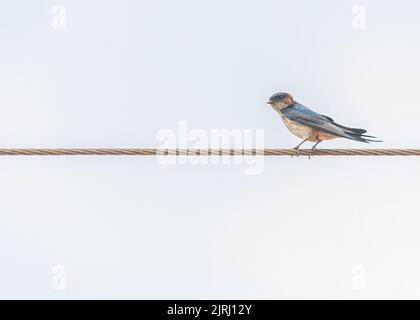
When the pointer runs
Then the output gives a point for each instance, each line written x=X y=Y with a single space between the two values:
x=288 y=99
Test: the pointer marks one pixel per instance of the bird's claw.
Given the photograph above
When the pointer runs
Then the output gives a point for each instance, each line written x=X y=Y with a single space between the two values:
x=313 y=151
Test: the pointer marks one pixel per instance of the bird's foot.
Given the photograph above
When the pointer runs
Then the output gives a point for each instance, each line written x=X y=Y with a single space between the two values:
x=313 y=152
x=297 y=148
x=297 y=152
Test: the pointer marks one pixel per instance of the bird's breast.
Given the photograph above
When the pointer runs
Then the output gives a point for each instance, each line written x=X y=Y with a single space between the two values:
x=297 y=129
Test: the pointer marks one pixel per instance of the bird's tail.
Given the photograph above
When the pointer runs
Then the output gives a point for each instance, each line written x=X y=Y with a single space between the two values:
x=357 y=134
x=364 y=138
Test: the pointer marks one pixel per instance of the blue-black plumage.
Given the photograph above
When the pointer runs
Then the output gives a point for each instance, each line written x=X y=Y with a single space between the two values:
x=310 y=125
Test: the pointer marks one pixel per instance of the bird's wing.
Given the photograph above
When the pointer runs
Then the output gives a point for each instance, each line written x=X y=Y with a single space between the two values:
x=305 y=116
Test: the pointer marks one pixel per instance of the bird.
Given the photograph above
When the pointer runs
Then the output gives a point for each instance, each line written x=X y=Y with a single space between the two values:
x=311 y=126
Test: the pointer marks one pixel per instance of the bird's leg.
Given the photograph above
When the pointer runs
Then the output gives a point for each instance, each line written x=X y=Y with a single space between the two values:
x=297 y=147
x=314 y=147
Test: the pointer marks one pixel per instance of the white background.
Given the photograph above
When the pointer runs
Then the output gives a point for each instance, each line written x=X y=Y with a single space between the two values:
x=131 y=228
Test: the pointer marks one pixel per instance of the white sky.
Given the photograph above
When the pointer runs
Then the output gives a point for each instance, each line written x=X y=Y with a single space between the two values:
x=133 y=228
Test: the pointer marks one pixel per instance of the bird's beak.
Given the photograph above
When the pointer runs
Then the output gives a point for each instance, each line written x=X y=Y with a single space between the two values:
x=269 y=102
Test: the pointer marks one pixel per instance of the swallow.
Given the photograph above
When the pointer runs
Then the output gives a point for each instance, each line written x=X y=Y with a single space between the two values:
x=311 y=126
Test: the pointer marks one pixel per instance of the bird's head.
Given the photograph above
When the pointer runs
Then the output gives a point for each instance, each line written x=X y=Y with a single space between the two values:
x=280 y=100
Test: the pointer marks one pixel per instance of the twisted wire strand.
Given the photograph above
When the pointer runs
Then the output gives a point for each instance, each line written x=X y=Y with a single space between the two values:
x=206 y=152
